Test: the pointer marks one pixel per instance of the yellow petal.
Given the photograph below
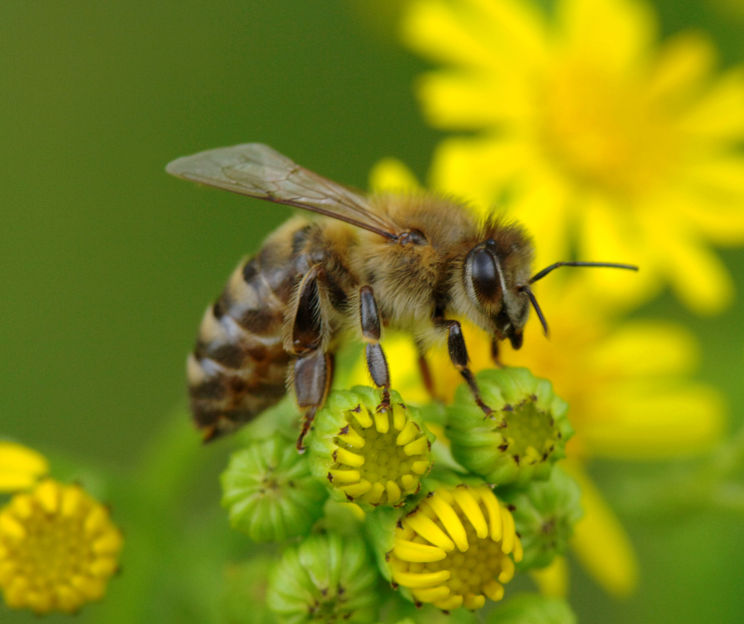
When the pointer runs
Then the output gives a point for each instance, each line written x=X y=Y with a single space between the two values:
x=440 y=31
x=681 y=66
x=542 y=208
x=472 y=510
x=653 y=420
x=458 y=100
x=416 y=552
x=553 y=579
x=639 y=348
x=20 y=466
x=477 y=170
x=392 y=175
x=511 y=25
x=420 y=580
x=719 y=115
x=609 y=233
x=429 y=530
x=588 y=26
x=600 y=542
x=698 y=276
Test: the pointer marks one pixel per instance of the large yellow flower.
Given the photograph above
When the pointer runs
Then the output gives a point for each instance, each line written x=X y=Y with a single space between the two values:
x=593 y=130
x=627 y=384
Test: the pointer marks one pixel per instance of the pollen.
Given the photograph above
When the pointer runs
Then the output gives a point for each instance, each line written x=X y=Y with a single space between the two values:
x=58 y=549
x=379 y=456
x=457 y=548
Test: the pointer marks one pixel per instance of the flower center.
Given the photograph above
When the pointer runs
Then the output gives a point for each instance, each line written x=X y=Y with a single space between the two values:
x=379 y=457
x=604 y=130
x=54 y=549
x=530 y=434
x=453 y=549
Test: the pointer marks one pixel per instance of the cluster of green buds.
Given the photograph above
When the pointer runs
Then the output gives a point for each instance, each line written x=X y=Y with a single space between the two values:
x=381 y=520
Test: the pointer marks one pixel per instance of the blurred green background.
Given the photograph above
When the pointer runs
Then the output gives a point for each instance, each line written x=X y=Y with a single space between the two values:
x=108 y=263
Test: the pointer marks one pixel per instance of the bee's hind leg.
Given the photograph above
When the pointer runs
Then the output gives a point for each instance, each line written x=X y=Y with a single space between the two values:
x=313 y=369
x=312 y=379
x=369 y=319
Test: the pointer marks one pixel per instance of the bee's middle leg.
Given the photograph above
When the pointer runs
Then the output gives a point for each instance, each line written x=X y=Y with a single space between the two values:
x=369 y=319
x=458 y=353
x=313 y=368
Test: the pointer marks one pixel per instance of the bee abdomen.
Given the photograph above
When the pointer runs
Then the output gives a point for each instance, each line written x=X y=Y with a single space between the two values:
x=239 y=366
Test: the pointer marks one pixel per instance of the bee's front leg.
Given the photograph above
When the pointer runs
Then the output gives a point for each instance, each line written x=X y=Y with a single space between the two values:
x=313 y=368
x=458 y=353
x=369 y=319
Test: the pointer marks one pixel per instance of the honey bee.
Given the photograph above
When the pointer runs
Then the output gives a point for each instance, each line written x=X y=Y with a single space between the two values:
x=406 y=262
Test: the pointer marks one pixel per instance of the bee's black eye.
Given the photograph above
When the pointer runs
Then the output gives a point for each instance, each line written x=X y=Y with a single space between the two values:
x=483 y=274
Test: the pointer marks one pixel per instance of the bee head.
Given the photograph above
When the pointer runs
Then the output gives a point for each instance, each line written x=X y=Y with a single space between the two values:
x=497 y=283
x=491 y=281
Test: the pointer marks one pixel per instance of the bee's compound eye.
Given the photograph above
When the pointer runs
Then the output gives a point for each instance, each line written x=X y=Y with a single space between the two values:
x=483 y=275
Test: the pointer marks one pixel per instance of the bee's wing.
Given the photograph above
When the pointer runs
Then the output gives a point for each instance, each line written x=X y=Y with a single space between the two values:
x=260 y=171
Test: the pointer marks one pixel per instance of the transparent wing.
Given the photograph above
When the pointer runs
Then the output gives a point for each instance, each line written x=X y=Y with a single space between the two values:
x=260 y=171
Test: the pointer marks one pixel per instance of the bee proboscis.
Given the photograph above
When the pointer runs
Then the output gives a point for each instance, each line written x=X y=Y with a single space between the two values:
x=409 y=262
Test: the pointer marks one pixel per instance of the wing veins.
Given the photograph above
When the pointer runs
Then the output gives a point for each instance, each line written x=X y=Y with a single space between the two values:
x=257 y=170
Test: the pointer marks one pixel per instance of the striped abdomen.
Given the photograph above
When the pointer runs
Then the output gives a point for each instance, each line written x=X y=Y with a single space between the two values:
x=239 y=366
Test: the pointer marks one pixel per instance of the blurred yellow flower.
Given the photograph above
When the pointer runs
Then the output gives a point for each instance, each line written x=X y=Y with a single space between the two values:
x=58 y=548
x=20 y=466
x=627 y=384
x=594 y=130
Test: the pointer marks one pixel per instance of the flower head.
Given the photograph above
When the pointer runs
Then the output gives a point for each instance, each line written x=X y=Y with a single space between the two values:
x=631 y=147
x=58 y=549
x=270 y=492
x=455 y=548
x=521 y=439
x=369 y=456
x=326 y=578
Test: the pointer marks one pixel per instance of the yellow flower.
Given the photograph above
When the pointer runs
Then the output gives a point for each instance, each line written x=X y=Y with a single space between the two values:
x=367 y=456
x=592 y=129
x=20 y=467
x=58 y=548
x=628 y=388
x=456 y=548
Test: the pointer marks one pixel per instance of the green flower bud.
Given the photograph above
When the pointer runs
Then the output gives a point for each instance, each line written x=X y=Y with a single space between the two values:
x=327 y=578
x=454 y=547
x=365 y=456
x=545 y=513
x=523 y=436
x=269 y=491
x=533 y=609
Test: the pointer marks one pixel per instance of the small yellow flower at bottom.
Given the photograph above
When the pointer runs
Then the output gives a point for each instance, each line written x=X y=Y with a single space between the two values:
x=58 y=549
x=456 y=548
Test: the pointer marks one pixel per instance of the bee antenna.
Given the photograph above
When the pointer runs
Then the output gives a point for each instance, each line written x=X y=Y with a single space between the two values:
x=538 y=311
x=555 y=265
